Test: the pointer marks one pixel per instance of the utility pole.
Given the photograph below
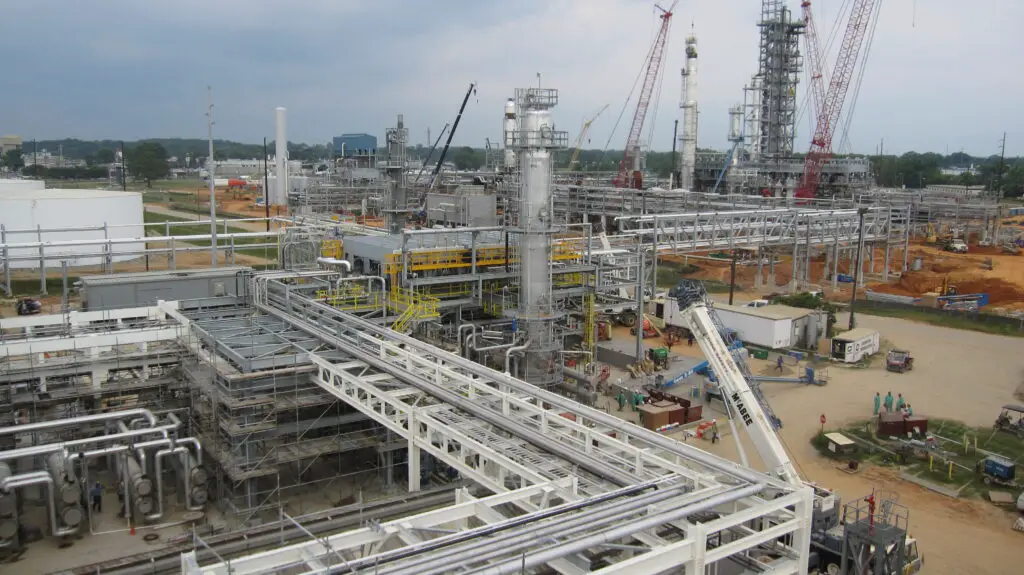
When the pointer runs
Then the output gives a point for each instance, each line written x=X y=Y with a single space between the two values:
x=999 y=174
x=856 y=272
x=732 y=276
x=124 y=174
x=640 y=306
x=209 y=174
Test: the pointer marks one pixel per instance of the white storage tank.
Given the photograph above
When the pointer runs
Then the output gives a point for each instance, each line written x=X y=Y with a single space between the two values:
x=20 y=186
x=54 y=209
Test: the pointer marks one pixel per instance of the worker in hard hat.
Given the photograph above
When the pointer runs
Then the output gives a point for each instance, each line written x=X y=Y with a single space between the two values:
x=888 y=401
x=878 y=404
x=900 y=402
x=910 y=411
x=621 y=398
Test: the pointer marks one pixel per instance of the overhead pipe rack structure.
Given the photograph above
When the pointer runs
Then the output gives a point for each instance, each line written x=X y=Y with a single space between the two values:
x=581 y=480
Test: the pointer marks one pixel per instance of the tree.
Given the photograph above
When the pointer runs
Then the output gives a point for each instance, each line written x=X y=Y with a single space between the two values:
x=12 y=159
x=104 y=156
x=147 y=161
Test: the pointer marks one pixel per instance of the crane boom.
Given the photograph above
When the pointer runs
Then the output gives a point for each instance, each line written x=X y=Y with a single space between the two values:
x=814 y=57
x=832 y=103
x=743 y=395
x=628 y=170
x=578 y=145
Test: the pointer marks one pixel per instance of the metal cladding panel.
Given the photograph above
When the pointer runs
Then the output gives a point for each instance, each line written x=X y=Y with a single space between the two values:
x=760 y=331
x=347 y=145
x=51 y=209
x=161 y=286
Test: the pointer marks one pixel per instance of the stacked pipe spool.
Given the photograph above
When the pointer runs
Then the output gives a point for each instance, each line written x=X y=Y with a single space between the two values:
x=8 y=510
x=141 y=486
x=198 y=493
x=67 y=491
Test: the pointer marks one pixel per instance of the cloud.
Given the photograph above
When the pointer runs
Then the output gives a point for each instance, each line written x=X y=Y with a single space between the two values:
x=129 y=69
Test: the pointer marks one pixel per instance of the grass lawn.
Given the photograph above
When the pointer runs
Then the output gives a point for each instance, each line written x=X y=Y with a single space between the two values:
x=946 y=320
x=267 y=253
x=950 y=448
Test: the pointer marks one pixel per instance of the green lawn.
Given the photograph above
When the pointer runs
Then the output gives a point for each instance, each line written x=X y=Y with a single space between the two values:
x=267 y=253
x=944 y=320
x=963 y=477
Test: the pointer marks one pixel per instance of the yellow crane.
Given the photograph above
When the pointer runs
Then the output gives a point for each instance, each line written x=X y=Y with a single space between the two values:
x=578 y=144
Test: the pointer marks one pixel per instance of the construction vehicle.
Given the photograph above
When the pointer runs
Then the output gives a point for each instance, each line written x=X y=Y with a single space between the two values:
x=1005 y=421
x=648 y=327
x=899 y=361
x=745 y=402
x=955 y=245
x=28 y=306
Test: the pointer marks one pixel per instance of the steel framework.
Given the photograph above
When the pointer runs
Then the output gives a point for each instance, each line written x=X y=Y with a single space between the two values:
x=574 y=477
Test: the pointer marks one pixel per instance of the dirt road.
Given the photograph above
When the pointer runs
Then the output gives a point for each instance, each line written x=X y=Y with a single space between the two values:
x=958 y=375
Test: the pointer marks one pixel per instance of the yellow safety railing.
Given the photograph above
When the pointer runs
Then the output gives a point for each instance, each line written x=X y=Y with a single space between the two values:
x=462 y=257
x=414 y=307
x=356 y=300
x=589 y=325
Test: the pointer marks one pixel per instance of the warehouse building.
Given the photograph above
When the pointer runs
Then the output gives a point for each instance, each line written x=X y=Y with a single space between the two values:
x=775 y=326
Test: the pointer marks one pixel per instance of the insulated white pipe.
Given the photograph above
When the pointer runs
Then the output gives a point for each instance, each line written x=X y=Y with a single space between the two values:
x=515 y=349
x=57 y=423
x=281 y=158
x=68 y=446
x=41 y=478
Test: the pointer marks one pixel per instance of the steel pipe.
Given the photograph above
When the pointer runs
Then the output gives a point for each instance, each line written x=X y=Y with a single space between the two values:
x=68 y=446
x=482 y=548
x=625 y=428
x=41 y=478
x=510 y=351
x=612 y=535
x=57 y=423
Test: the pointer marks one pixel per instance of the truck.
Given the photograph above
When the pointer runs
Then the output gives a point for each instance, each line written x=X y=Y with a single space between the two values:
x=749 y=406
x=955 y=245
x=854 y=345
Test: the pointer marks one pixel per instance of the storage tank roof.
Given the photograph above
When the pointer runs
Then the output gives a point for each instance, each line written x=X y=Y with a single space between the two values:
x=60 y=194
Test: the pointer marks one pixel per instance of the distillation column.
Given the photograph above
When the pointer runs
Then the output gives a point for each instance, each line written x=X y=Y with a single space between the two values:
x=509 y=129
x=280 y=195
x=688 y=149
x=398 y=205
x=535 y=139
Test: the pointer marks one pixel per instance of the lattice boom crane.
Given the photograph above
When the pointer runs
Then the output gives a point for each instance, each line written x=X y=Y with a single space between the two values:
x=629 y=170
x=832 y=104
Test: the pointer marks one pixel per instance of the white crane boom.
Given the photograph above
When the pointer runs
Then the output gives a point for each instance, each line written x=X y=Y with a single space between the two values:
x=759 y=422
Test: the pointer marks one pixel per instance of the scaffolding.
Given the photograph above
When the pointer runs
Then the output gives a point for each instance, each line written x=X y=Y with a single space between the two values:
x=269 y=430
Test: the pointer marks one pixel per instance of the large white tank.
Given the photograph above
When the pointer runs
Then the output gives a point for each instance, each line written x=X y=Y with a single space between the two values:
x=20 y=186
x=61 y=209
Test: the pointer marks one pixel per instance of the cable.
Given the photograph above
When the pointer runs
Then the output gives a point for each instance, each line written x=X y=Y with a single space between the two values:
x=844 y=138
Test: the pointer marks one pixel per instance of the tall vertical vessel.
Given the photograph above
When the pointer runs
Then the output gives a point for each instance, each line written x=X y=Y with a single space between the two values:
x=688 y=149
x=281 y=159
x=398 y=205
x=535 y=138
x=509 y=129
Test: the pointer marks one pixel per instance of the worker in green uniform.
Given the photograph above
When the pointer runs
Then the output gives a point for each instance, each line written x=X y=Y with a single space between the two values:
x=910 y=411
x=900 y=402
x=638 y=399
x=621 y=398
x=878 y=404
x=888 y=401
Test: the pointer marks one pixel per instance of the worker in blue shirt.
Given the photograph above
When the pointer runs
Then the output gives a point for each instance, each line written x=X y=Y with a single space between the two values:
x=878 y=404
x=900 y=402
x=888 y=401
x=778 y=364
x=97 y=497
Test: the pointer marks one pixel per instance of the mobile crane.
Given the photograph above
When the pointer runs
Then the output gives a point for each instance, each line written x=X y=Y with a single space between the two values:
x=745 y=402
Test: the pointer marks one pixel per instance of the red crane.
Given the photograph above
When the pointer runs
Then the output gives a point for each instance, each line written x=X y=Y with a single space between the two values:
x=629 y=173
x=832 y=103
x=814 y=56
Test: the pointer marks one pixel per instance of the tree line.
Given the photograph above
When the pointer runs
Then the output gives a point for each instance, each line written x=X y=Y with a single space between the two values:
x=911 y=170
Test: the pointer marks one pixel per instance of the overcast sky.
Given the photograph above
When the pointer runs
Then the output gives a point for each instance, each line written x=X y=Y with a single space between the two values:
x=942 y=75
